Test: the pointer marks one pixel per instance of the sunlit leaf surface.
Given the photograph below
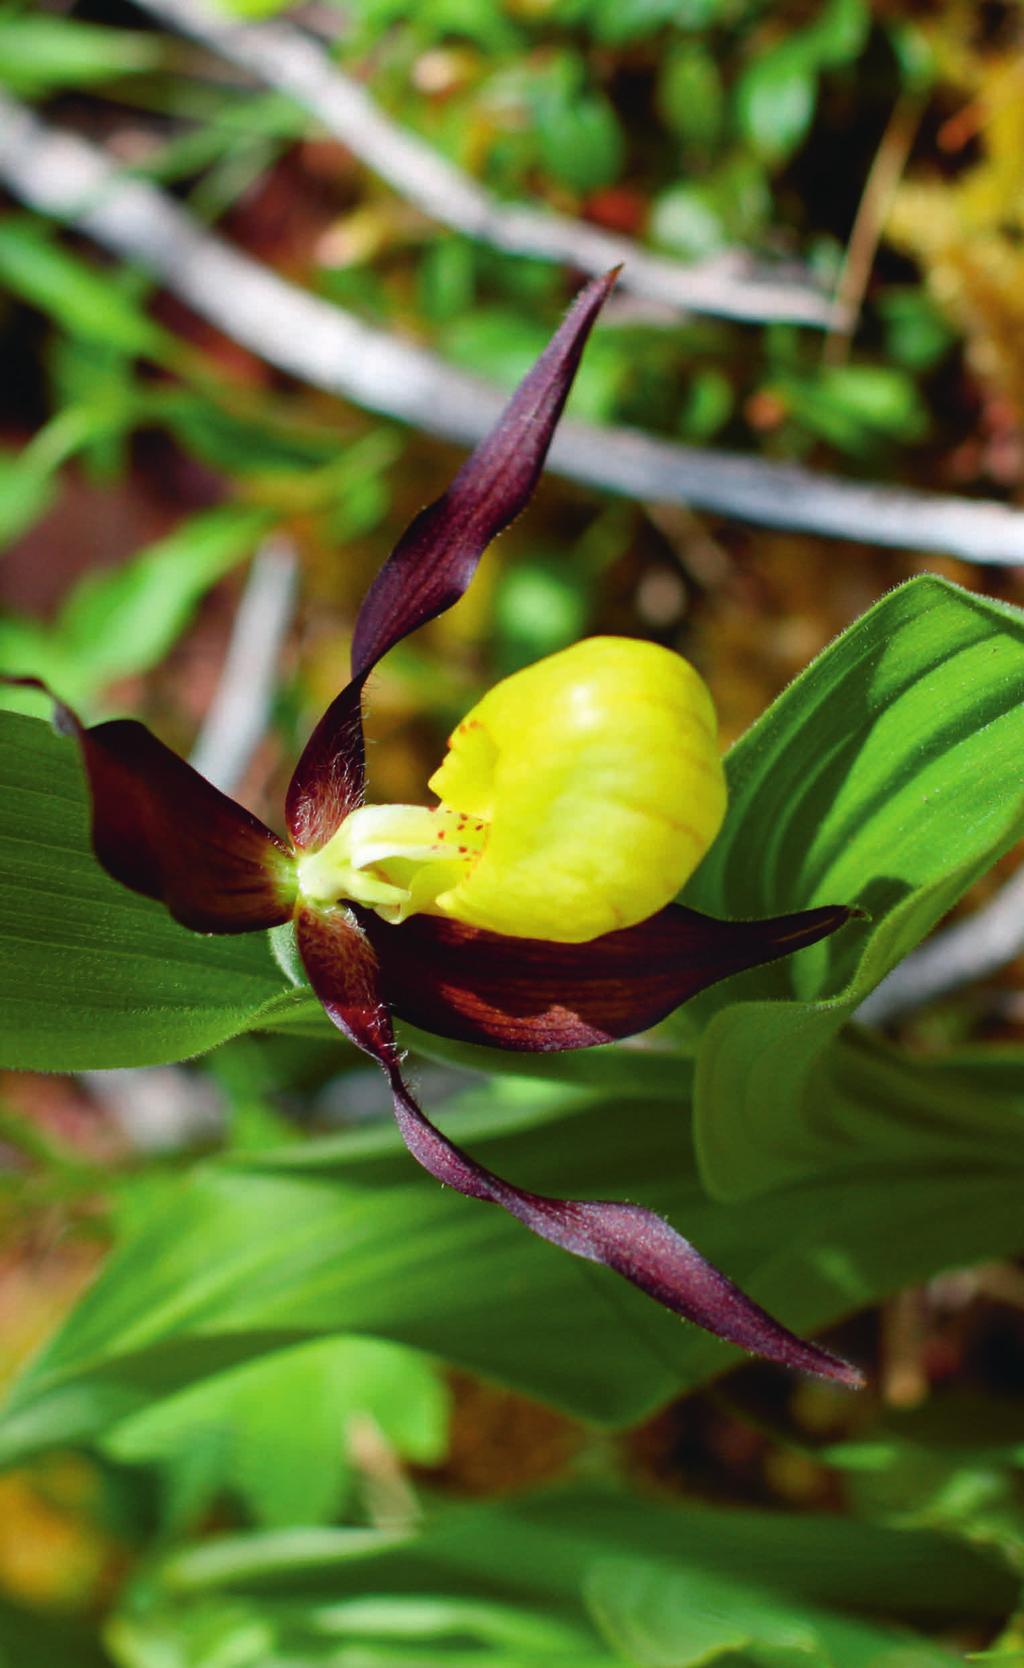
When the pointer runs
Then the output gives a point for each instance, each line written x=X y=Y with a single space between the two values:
x=888 y=775
x=90 y=974
x=349 y=1236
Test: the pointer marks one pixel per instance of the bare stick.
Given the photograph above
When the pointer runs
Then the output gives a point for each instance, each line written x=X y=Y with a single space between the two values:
x=280 y=55
x=962 y=954
x=237 y=716
x=301 y=334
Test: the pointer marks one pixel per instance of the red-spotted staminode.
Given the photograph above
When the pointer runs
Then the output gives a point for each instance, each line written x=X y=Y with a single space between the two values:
x=531 y=908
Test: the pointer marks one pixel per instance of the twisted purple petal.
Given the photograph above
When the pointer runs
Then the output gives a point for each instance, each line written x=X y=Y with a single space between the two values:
x=633 y=1241
x=433 y=563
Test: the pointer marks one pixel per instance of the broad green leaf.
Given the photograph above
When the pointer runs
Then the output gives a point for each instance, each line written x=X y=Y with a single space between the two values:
x=26 y=477
x=664 y=1616
x=247 y=443
x=90 y=974
x=121 y=622
x=866 y=1106
x=855 y=406
x=581 y=142
x=916 y=53
x=953 y=1464
x=421 y=1629
x=577 y=131
x=39 y=53
x=613 y=23
x=26 y=493
x=776 y=95
x=348 y=1236
x=775 y=99
x=690 y=96
x=562 y=1550
x=352 y=1237
x=540 y=606
x=688 y=219
x=279 y=1433
x=917 y=334
x=710 y=399
x=35 y=266
x=537 y=1584
x=888 y=775
x=729 y=204
x=838 y=33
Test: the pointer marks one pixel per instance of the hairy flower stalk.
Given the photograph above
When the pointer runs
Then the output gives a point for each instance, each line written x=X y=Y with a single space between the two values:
x=531 y=907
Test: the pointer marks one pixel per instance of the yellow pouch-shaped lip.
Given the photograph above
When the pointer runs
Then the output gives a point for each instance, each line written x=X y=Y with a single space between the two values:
x=597 y=772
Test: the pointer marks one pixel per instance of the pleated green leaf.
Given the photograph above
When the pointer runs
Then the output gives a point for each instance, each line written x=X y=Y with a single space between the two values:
x=90 y=974
x=588 y=1579
x=278 y=1433
x=889 y=775
x=349 y=1236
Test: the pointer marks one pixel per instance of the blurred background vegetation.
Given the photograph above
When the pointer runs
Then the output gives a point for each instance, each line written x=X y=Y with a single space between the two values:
x=869 y=151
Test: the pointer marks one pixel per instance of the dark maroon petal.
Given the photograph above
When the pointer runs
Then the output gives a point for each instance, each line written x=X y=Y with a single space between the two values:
x=526 y=993
x=163 y=830
x=634 y=1242
x=329 y=780
x=435 y=559
x=433 y=563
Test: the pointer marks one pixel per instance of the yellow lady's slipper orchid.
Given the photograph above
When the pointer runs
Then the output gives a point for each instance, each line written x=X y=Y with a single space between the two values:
x=596 y=773
x=576 y=798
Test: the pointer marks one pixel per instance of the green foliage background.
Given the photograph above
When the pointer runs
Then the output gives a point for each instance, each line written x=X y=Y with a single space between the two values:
x=252 y=1440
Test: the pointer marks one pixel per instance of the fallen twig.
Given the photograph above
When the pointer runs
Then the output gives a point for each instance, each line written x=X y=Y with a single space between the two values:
x=875 y=203
x=237 y=716
x=64 y=176
x=281 y=56
x=970 y=950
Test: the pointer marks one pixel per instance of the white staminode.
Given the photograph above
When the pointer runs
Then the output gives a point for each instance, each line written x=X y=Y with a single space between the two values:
x=396 y=859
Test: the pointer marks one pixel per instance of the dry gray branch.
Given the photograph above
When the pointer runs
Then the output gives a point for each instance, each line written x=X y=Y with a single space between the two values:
x=237 y=716
x=72 y=180
x=281 y=56
x=970 y=950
